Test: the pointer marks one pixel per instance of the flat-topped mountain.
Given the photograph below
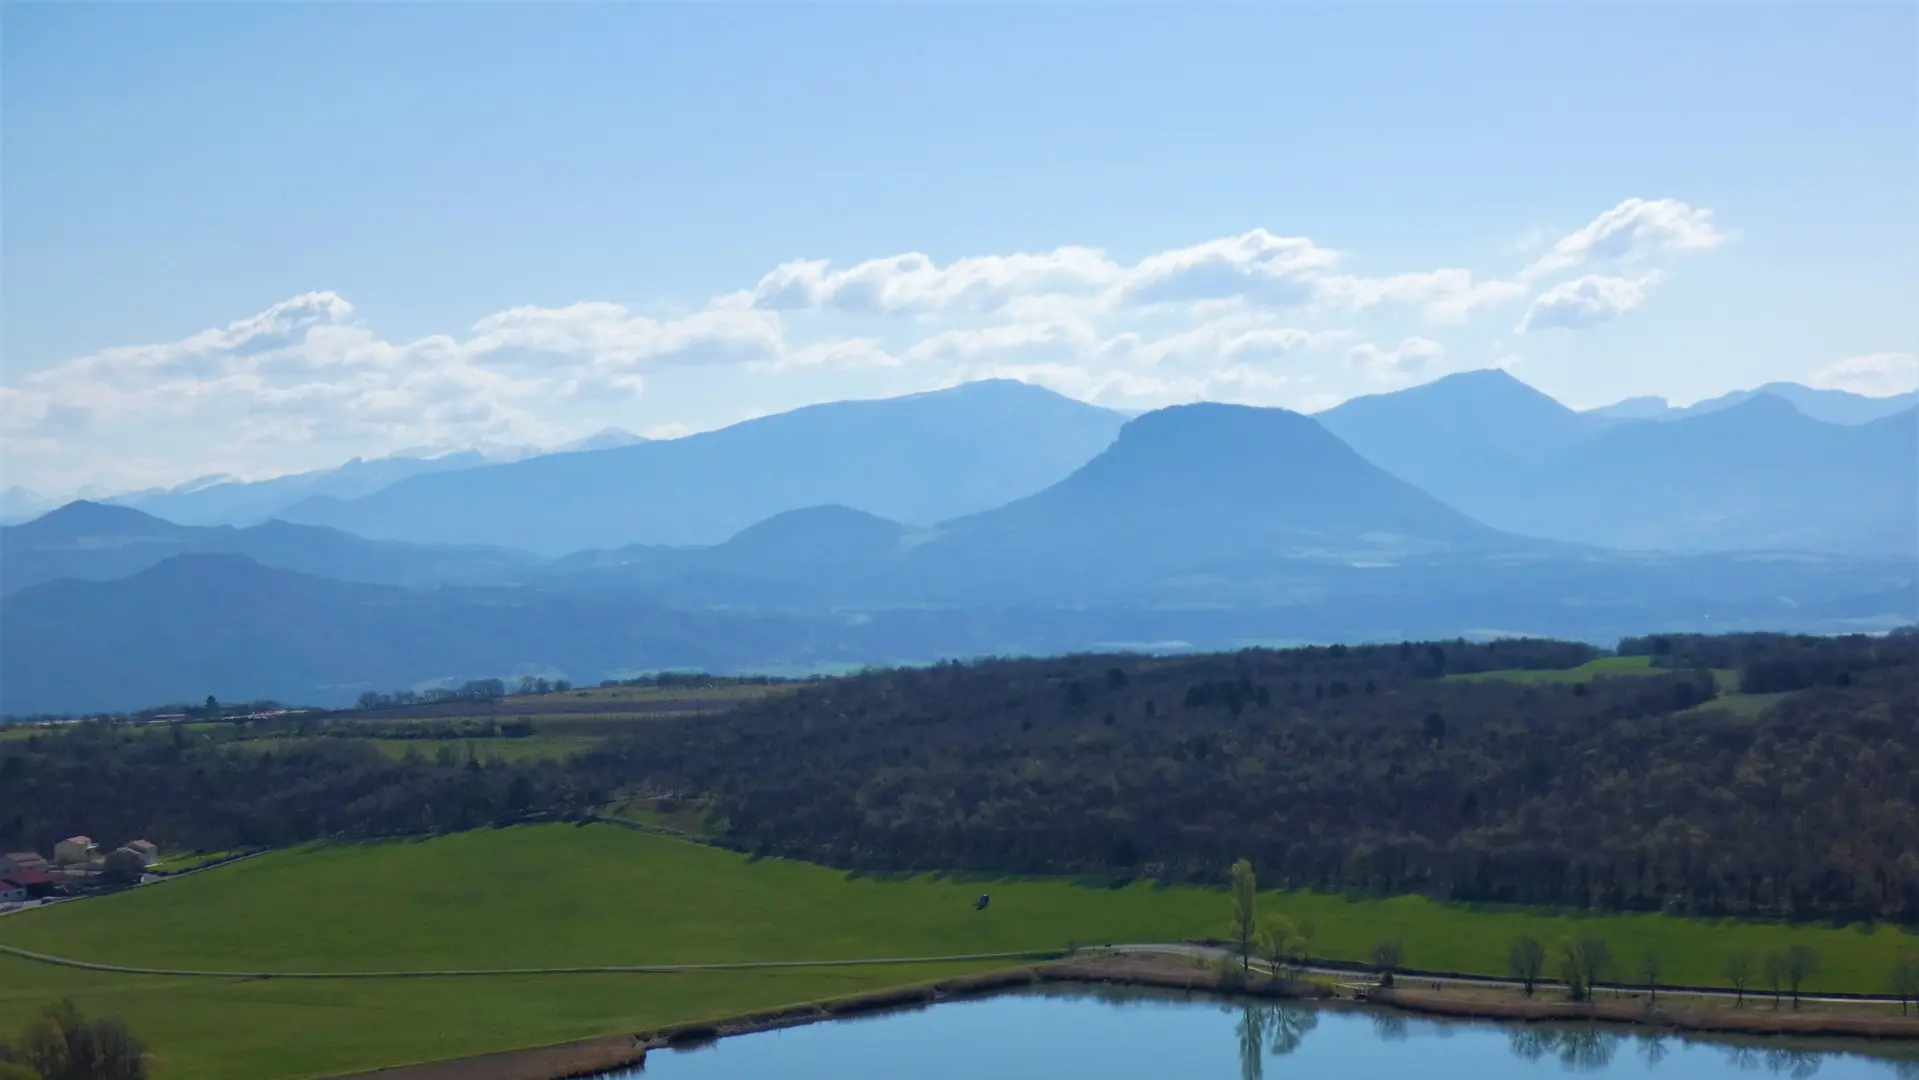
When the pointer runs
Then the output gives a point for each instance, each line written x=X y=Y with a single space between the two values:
x=1199 y=482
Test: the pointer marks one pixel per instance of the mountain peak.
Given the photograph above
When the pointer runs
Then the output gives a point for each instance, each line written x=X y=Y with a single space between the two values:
x=1194 y=483
x=83 y=517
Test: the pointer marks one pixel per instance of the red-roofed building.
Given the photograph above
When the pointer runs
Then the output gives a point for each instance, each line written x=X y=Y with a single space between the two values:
x=33 y=883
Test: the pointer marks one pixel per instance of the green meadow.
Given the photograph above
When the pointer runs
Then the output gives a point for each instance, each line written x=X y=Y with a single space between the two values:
x=1602 y=668
x=531 y=748
x=573 y=896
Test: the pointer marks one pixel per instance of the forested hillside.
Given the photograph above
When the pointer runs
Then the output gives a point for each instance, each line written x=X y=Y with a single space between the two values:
x=1751 y=775
x=1363 y=768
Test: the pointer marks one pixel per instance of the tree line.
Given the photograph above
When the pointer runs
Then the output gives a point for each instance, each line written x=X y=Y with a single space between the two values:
x=1338 y=768
x=62 y=1043
x=1363 y=767
x=186 y=789
x=1581 y=963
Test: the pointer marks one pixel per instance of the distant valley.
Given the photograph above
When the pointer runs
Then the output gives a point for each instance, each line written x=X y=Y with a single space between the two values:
x=995 y=518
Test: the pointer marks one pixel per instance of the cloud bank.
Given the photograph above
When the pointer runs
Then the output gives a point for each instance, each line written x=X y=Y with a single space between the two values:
x=1257 y=317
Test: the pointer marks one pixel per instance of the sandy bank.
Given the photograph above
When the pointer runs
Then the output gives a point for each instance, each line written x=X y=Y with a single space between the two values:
x=589 y=1057
x=1761 y=1020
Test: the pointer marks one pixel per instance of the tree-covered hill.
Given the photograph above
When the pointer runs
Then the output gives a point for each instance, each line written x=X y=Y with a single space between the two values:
x=1348 y=768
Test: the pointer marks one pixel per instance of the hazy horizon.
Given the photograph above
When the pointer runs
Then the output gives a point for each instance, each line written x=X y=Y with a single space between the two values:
x=411 y=252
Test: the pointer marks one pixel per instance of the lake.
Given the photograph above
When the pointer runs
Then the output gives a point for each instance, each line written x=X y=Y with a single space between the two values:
x=1125 y=1034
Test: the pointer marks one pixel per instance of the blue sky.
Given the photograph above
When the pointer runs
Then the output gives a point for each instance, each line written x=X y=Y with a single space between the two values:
x=250 y=239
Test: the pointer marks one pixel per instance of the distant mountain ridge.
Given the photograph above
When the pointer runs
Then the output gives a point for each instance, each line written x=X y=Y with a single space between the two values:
x=96 y=541
x=238 y=502
x=1831 y=406
x=916 y=459
x=1756 y=474
x=222 y=624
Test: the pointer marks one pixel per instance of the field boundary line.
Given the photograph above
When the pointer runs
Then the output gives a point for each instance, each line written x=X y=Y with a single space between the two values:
x=460 y=973
x=1348 y=968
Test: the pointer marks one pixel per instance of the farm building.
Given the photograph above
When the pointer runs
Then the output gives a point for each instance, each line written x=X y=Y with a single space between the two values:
x=34 y=883
x=22 y=860
x=75 y=851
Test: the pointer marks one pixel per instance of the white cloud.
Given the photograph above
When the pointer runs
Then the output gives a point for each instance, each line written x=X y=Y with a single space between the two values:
x=915 y=283
x=1255 y=266
x=1875 y=374
x=1231 y=339
x=1449 y=295
x=1586 y=301
x=1635 y=229
x=305 y=372
x=1253 y=317
x=1409 y=357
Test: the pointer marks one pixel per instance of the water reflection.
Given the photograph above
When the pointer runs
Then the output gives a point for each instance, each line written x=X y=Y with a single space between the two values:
x=1275 y=1030
x=1578 y=1049
x=1117 y=1033
x=1798 y=1064
x=1785 y=1061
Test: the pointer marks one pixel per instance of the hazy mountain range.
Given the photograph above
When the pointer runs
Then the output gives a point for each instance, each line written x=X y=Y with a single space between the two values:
x=1832 y=406
x=97 y=542
x=917 y=459
x=992 y=518
x=1752 y=474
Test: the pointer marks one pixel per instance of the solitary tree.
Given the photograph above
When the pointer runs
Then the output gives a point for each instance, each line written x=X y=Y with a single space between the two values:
x=1802 y=963
x=1276 y=939
x=1649 y=968
x=1775 y=974
x=1304 y=933
x=1525 y=960
x=1582 y=963
x=1738 y=972
x=1904 y=982
x=1388 y=957
x=1245 y=921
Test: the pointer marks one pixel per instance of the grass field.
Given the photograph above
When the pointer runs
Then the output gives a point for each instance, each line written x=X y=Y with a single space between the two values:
x=530 y=748
x=1602 y=668
x=547 y=896
x=179 y=862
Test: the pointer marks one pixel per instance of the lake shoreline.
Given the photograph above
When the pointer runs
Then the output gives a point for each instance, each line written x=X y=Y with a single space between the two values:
x=1756 y=1021
x=598 y=1057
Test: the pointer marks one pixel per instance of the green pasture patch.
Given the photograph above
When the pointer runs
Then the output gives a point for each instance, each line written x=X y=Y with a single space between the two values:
x=553 y=896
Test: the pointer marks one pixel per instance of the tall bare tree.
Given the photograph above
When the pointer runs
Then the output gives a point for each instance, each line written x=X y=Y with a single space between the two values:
x=1802 y=963
x=1738 y=972
x=1904 y=982
x=1525 y=960
x=1650 y=966
x=1245 y=917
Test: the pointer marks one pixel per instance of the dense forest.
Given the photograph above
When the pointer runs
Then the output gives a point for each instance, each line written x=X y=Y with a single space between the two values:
x=1754 y=774
x=191 y=789
x=1357 y=768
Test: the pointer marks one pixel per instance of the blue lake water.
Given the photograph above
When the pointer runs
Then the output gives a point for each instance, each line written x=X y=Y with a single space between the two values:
x=1136 y=1036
